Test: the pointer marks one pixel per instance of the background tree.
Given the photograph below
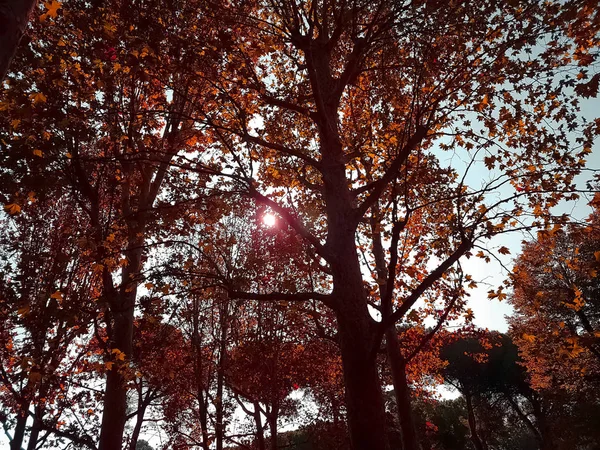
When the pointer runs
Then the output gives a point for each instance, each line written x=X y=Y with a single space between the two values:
x=557 y=306
x=45 y=293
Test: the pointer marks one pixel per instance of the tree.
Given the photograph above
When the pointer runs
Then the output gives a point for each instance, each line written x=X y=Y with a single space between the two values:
x=330 y=109
x=98 y=122
x=557 y=306
x=45 y=299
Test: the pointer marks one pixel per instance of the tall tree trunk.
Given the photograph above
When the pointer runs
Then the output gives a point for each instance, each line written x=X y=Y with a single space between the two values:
x=14 y=16
x=17 y=441
x=473 y=424
x=34 y=435
x=142 y=406
x=198 y=374
x=395 y=359
x=272 y=418
x=401 y=391
x=541 y=422
x=364 y=400
x=356 y=327
x=219 y=409
x=115 y=394
x=260 y=432
x=121 y=312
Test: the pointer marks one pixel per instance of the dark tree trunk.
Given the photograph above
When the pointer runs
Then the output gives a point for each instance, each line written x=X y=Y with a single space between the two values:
x=401 y=391
x=17 y=441
x=356 y=327
x=260 y=431
x=121 y=312
x=198 y=373
x=115 y=394
x=475 y=439
x=14 y=16
x=364 y=401
x=219 y=410
x=272 y=418
x=541 y=422
x=142 y=406
x=34 y=435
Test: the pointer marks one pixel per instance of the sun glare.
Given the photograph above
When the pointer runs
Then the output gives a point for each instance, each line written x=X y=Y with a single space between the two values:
x=269 y=220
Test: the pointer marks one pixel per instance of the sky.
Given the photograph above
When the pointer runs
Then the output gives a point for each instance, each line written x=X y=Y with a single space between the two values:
x=492 y=313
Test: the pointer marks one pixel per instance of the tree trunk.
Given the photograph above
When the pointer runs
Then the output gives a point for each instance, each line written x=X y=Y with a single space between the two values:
x=401 y=390
x=198 y=371
x=17 y=441
x=472 y=424
x=14 y=16
x=356 y=327
x=273 y=415
x=260 y=432
x=219 y=410
x=135 y=435
x=364 y=401
x=115 y=394
x=35 y=429
x=121 y=311
x=142 y=406
x=541 y=422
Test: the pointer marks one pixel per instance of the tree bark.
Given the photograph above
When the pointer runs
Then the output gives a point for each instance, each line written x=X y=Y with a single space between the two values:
x=121 y=311
x=274 y=413
x=14 y=17
x=401 y=391
x=198 y=374
x=356 y=327
x=473 y=424
x=115 y=394
x=17 y=441
x=364 y=401
x=35 y=429
x=260 y=432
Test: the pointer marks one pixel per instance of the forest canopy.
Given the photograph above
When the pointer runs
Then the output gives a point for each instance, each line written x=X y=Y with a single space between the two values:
x=245 y=224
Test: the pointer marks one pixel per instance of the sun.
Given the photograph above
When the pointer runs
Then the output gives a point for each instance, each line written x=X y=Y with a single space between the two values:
x=269 y=220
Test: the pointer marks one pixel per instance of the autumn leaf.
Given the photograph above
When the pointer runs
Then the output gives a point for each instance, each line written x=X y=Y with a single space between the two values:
x=57 y=295
x=504 y=251
x=529 y=337
x=52 y=8
x=12 y=208
x=119 y=355
x=38 y=153
x=38 y=97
